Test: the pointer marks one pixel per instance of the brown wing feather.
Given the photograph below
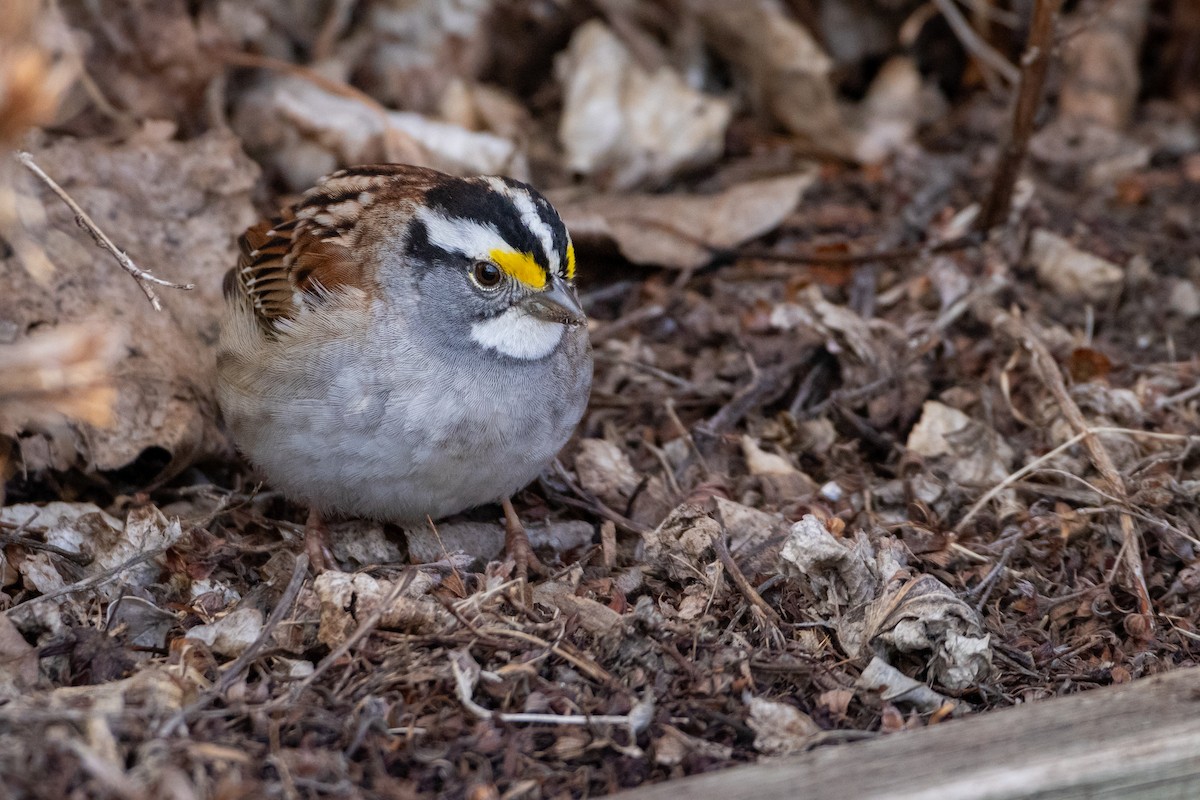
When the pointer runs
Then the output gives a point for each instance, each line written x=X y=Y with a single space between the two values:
x=306 y=254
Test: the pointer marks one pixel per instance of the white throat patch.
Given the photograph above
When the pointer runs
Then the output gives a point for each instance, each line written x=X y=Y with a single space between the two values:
x=519 y=335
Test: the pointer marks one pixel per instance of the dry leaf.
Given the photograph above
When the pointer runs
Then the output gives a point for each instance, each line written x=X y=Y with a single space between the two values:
x=673 y=745
x=84 y=528
x=605 y=471
x=1100 y=70
x=153 y=693
x=18 y=662
x=232 y=634
x=176 y=208
x=842 y=573
x=755 y=536
x=888 y=117
x=685 y=535
x=418 y=48
x=362 y=543
x=971 y=453
x=347 y=600
x=783 y=65
x=682 y=231
x=760 y=462
x=594 y=617
x=144 y=623
x=894 y=686
x=61 y=373
x=1071 y=272
x=625 y=126
x=779 y=728
x=924 y=616
x=304 y=131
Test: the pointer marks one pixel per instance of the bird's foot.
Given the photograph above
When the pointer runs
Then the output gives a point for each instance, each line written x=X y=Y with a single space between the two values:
x=516 y=545
x=316 y=542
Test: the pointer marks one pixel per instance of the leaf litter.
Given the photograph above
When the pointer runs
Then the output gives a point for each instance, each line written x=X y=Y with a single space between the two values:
x=840 y=477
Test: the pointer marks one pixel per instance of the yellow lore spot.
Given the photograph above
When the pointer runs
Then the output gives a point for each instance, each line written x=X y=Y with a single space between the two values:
x=570 y=261
x=520 y=267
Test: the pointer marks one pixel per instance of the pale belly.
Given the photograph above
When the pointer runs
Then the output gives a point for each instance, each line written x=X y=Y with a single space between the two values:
x=418 y=448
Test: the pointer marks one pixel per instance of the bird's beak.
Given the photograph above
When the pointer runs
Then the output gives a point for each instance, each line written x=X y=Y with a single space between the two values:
x=556 y=304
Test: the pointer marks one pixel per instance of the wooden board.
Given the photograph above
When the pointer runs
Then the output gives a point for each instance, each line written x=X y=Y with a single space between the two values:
x=1141 y=740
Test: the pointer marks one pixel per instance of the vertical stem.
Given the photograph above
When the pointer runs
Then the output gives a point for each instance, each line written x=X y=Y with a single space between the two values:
x=1034 y=63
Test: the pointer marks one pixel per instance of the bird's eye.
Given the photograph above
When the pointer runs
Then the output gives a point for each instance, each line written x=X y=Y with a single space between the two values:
x=486 y=274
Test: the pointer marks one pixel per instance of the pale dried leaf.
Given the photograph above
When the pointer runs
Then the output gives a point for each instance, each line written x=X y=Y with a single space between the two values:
x=1073 y=273
x=896 y=687
x=628 y=127
x=760 y=462
x=839 y=571
x=154 y=692
x=176 y=208
x=1100 y=69
x=970 y=452
x=347 y=600
x=304 y=132
x=888 y=117
x=231 y=634
x=84 y=528
x=681 y=231
x=673 y=745
x=686 y=536
x=783 y=65
x=594 y=617
x=18 y=661
x=605 y=471
x=362 y=543
x=755 y=536
x=925 y=616
x=779 y=728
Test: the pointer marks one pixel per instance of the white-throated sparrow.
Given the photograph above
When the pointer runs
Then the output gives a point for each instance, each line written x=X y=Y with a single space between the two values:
x=403 y=344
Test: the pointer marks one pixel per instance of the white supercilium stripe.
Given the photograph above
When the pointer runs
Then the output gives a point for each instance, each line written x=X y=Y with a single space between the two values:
x=458 y=235
x=517 y=334
x=532 y=219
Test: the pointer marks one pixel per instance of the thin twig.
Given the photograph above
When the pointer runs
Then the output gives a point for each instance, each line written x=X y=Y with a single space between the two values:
x=1034 y=64
x=661 y=374
x=1178 y=397
x=1045 y=367
x=1013 y=477
x=243 y=662
x=974 y=43
x=82 y=559
x=17 y=537
x=636 y=720
x=143 y=277
x=739 y=580
x=581 y=660
x=94 y=581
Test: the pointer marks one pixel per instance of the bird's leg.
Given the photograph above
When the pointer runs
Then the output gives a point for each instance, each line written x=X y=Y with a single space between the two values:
x=516 y=544
x=316 y=542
